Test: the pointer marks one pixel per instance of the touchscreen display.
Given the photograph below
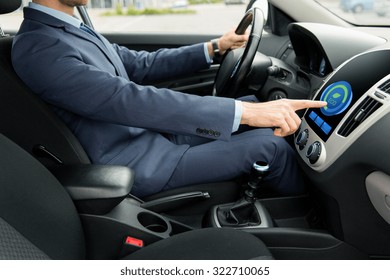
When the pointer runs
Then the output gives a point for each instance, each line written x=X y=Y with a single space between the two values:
x=344 y=88
x=323 y=121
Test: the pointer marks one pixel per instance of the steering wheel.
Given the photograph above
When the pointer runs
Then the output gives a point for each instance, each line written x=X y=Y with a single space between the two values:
x=236 y=63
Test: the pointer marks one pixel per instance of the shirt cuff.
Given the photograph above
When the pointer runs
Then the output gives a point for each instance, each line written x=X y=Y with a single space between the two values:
x=206 y=54
x=237 y=115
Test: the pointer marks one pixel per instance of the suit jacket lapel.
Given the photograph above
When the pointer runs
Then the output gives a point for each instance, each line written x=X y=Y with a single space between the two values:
x=101 y=43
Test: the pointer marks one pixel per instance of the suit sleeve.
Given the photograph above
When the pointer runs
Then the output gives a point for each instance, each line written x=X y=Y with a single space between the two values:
x=144 y=67
x=56 y=72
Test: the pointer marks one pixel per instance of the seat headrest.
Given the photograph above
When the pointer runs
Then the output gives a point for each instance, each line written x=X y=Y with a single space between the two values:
x=9 y=6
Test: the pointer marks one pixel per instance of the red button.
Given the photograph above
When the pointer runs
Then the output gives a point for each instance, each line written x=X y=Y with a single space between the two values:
x=134 y=242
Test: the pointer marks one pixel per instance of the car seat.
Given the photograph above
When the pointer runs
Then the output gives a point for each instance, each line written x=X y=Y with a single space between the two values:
x=38 y=220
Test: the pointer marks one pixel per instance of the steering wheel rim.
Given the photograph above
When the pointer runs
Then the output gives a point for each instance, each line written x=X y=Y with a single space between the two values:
x=236 y=64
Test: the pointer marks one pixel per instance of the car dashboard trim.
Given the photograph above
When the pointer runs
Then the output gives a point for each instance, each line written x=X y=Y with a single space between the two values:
x=333 y=148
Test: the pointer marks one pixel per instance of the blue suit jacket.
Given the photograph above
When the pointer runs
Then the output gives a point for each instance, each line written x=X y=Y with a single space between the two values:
x=100 y=91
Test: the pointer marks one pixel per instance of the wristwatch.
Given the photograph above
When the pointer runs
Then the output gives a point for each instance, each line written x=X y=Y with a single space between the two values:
x=214 y=44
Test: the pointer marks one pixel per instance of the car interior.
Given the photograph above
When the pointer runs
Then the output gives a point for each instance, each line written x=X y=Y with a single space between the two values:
x=50 y=190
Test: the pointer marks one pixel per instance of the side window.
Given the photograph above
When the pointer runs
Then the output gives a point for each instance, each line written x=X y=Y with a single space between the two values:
x=11 y=22
x=360 y=12
x=155 y=16
x=166 y=16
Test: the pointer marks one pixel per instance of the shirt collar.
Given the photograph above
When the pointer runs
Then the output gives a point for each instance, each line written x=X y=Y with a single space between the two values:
x=57 y=14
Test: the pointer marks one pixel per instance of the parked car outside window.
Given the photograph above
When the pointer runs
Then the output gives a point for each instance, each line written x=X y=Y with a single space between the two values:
x=359 y=12
x=382 y=7
x=231 y=2
x=356 y=6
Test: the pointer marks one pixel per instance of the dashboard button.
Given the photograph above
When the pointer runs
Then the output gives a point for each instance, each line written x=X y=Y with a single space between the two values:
x=301 y=140
x=313 y=152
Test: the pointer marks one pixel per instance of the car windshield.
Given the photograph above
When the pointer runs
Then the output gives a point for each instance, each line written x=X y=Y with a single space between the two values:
x=360 y=12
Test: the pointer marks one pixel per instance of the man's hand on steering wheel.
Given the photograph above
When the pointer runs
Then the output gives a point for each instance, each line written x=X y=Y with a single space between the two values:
x=236 y=62
x=229 y=40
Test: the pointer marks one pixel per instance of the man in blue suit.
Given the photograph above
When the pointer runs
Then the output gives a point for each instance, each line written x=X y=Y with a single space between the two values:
x=100 y=90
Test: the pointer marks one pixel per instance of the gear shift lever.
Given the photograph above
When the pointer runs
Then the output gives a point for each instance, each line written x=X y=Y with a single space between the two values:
x=260 y=169
x=243 y=212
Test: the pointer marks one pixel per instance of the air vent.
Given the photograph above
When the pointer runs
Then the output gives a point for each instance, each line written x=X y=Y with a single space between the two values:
x=385 y=87
x=362 y=112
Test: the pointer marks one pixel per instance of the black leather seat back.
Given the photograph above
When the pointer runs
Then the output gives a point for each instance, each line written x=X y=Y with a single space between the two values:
x=9 y=6
x=37 y=216
x=30 y=122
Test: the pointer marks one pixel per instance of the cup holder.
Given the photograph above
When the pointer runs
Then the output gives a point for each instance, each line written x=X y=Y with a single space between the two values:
x=152 y=222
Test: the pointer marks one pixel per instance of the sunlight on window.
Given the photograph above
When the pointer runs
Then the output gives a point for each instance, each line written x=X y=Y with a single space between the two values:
x=157 y=16
x=200 y=16
x=360 y=12
x=165 y=16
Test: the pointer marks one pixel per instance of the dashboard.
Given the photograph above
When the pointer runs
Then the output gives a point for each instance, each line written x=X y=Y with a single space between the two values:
x=320 y=49
x=343 y=147
x=349 y=65
x=358 y=94
x=310 y=57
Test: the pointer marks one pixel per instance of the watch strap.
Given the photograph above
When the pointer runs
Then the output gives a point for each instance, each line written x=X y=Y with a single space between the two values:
x=214 y=44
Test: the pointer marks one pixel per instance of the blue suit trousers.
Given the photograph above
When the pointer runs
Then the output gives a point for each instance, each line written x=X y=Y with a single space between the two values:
x=213 y=161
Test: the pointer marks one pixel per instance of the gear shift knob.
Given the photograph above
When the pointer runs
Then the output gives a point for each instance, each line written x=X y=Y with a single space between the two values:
x=260 y=169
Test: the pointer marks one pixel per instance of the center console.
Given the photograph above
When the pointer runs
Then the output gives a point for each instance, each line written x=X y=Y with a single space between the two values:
x=247 y=212
x=357 y=98
x=343 y=150
x=115 y=223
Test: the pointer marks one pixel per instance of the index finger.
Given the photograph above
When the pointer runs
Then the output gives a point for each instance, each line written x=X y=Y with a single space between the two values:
x=304 y=104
